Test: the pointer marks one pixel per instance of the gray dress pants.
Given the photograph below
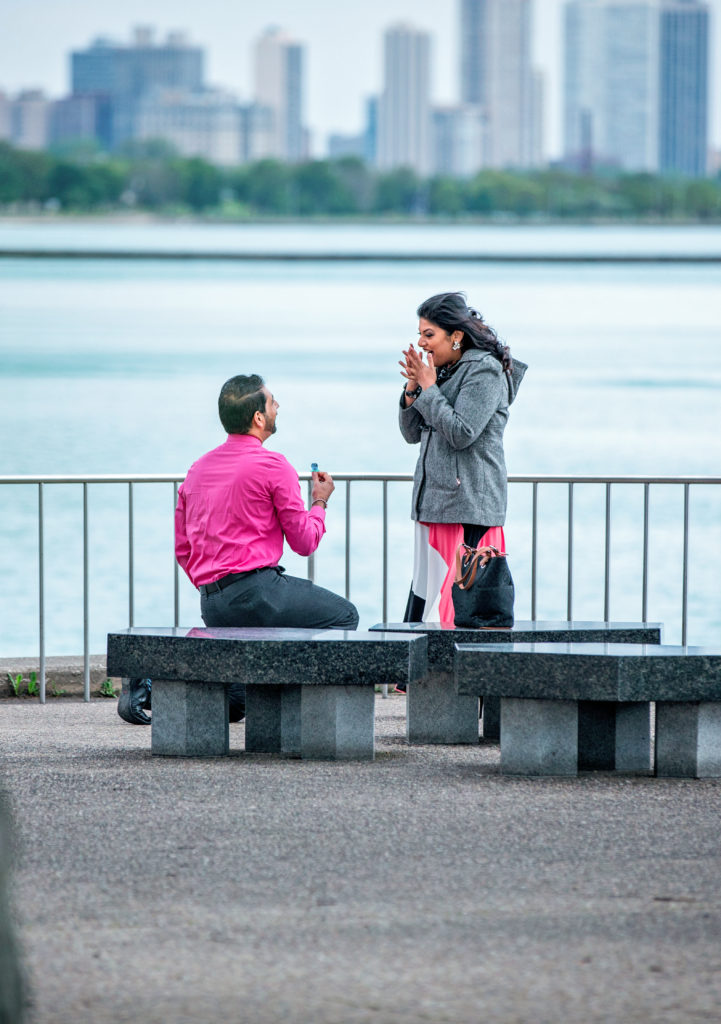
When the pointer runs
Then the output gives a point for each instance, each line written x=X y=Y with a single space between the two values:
x=268 y=597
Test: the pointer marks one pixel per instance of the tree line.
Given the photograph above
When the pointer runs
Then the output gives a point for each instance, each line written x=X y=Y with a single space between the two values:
x=150 y=176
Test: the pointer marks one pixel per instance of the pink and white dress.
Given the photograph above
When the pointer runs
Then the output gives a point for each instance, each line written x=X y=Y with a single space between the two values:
x=434 y=567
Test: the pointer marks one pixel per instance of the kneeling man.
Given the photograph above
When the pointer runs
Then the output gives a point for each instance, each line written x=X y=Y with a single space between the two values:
x=236 y=506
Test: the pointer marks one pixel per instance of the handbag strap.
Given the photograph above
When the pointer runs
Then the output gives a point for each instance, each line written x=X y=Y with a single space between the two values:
x=465 y=578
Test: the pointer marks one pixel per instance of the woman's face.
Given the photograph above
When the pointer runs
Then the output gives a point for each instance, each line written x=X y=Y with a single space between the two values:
x=433 y=339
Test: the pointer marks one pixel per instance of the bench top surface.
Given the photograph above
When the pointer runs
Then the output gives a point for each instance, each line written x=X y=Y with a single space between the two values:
x=573 y=626
x=597 y=650
x=618 y=672
x=260 y=634
x=266 y=656
x=442 y=637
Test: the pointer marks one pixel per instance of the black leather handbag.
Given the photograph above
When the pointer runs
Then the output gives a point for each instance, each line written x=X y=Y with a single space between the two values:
x=483 y=592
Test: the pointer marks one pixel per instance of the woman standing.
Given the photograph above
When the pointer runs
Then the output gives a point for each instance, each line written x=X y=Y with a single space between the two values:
x=455 y=404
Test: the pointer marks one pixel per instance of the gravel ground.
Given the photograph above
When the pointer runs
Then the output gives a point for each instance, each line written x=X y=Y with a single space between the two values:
x=422 y=887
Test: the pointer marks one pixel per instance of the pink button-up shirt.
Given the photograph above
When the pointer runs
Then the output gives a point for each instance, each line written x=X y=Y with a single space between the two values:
x=235 y=507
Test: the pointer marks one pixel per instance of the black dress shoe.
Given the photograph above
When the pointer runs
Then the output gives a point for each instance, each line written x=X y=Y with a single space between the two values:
x=134 y=698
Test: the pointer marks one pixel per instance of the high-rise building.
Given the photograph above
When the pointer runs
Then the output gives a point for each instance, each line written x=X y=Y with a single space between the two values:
x=279 y=88
x=30 y=120
x=404 y=108
x=122 y=74
x=257 y=128
x=683 y=113
x=473 y=29
x=497 y=75
x=611 y=83
x=370 y=131
x=635 y=91
x=538 y=117
x=130 y=70
x=341 y=146
x=206 y=124
x=583 y=95
x=5 y=117
x=458 y=141
x=81 y=118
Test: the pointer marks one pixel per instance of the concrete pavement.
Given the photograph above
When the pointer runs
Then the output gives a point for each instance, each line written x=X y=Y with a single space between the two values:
x=422 y=887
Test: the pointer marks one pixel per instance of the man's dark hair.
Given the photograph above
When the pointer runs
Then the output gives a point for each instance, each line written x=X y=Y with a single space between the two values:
x=240 y=399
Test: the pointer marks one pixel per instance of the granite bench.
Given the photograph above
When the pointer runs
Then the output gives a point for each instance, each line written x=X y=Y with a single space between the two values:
x=436 y=713
x=543 y=689
x=309 y=692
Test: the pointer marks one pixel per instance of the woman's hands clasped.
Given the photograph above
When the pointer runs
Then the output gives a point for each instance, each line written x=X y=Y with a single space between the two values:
x=416 y=372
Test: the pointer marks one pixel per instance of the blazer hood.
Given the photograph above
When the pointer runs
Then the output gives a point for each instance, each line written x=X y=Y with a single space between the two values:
x=472 y=355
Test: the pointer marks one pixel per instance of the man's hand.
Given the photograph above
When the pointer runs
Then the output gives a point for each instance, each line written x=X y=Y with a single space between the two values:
x=323 y=487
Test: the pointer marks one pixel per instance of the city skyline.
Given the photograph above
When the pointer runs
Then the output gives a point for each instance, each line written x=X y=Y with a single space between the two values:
x=345 y=47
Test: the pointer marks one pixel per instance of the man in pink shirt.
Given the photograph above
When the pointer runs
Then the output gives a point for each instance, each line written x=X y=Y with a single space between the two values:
x=236 y=507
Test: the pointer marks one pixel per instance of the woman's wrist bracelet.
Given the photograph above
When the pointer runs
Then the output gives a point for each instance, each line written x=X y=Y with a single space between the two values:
x=315 y=501
x=414 y=393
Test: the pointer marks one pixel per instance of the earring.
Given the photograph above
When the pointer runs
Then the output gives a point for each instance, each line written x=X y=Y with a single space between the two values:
x=456 y=345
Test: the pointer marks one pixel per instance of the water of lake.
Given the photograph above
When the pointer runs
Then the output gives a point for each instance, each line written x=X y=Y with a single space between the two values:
x=114 y=367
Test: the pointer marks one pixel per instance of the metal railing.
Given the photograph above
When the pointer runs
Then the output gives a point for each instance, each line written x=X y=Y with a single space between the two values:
x=571 y=483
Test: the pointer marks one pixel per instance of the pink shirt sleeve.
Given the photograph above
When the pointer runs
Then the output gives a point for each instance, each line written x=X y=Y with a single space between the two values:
x=182 y=544
x=303 y=528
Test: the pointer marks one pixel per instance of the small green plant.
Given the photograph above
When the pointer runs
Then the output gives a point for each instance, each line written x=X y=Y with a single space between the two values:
x=15 y=682
x=57 y=693
x=33 y=688
x=107 y=689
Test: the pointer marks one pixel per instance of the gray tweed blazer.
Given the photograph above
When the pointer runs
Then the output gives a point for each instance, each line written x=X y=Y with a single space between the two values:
x=460 y=476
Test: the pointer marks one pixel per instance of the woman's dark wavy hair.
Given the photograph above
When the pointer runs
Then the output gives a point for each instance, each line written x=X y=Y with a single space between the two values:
x=450 y=311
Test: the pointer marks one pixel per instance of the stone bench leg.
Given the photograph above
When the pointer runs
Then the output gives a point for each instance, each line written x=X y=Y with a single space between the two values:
x=190 y=719
x=688 y=740
x=272 y=719
x=614 y=736
x=539 y=737
x=435 y=713
x=337 y=723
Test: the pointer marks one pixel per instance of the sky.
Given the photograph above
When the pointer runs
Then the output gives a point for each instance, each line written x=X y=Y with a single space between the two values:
x=344 y=48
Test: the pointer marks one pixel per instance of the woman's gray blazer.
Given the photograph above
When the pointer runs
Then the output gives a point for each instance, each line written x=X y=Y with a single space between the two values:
x=460 y=475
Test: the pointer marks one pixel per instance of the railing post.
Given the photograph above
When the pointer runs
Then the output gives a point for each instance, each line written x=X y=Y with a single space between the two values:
x=347 y=540
x=311 y=557
x=384 y=689
x=534 y=530
x=607 y=567
x=131 y=567
x=644 y=585
x=385 y=551
x=569 y=584
x=176 y=577
x=41 y=589
x=86 y=602
x=684 y=590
